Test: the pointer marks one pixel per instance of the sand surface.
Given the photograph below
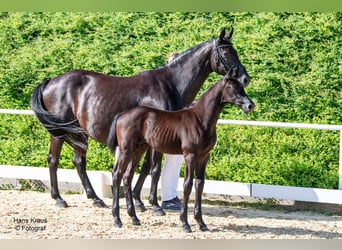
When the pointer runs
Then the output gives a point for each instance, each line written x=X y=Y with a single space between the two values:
x=33 y=215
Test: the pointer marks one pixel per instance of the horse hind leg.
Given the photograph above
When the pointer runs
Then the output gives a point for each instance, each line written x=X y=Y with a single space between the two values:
x=155 y=175
x=53 y=161
x=116 y=178
x=152 y=158
x=124 y=170
x=145 y=170
x=79 y=161
x=127 y=184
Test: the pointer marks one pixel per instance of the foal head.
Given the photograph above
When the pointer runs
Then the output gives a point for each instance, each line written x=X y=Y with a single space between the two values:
x=234 y=93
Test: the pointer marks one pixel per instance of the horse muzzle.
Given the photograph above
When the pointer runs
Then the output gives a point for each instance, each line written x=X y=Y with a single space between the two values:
x=248 y=107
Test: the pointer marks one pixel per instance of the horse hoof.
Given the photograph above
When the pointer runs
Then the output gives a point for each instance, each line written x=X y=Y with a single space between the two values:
x=139 y=206
x=136 y=222
x=61 y=204
x=158 y=212
x=187 y=229
x=117 y=223
x=204 y=228
x=99 y=203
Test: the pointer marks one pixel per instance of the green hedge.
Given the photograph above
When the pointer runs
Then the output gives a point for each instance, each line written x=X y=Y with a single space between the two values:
x=294 y=60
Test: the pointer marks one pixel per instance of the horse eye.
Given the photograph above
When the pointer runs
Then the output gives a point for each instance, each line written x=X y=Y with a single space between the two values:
x=226 y=53
x=236 y=72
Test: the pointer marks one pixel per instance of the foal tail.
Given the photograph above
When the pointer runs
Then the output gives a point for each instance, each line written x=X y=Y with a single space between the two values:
x=70 y=131
x=112 y=140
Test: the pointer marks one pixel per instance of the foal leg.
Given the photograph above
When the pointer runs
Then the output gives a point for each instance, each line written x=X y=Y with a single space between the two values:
x=79 y=161
x=53 y=161
x=155 y=175
x=117 y=177
x=187 y=186
x=127 y=184
x=199 y=185
x=145 y=170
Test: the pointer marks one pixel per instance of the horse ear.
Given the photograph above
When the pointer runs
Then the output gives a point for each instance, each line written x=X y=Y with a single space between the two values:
x=226 y=80
x=230 y=33
x=223 y=33
x=227 y=84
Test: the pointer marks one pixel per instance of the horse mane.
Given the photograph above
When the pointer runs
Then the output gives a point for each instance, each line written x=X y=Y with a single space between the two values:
x=184 y=53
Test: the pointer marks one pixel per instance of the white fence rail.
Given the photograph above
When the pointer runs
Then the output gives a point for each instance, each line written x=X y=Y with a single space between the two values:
x=102 y=180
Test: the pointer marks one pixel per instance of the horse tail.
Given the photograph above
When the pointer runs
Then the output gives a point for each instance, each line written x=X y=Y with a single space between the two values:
x=112 y=140
x=59 y=128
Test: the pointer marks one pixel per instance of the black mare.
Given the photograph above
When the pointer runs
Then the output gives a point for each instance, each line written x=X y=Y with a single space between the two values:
x=190 y=131
x=81 y=104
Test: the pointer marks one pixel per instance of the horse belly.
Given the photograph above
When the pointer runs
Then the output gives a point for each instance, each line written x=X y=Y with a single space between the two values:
x=97 y=108
x=169 y=149
x=164 y=142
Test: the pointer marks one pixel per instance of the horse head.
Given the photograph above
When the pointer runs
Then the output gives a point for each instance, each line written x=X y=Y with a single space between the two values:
x=234 y=93
x=224 y=58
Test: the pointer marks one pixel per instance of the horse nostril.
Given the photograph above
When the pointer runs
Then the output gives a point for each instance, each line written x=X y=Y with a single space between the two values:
x=251 y=107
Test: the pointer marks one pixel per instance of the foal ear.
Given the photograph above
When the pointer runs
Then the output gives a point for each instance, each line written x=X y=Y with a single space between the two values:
x=230 y=33
x=223 y=33
x=227 y=82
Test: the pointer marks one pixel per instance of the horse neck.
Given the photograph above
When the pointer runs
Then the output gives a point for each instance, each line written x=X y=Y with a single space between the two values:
x=189 y=71
x=209 y=106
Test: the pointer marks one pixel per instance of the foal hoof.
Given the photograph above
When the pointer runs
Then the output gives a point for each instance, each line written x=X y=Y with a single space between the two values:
x=187 y=229
x=204 y=228
x=136 y=222
x=117 y=223
x=99 y=203
x=61 y=204
x=158 y=212
x=139 y=206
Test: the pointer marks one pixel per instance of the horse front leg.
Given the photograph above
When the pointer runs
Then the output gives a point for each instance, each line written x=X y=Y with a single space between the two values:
x=155 y=175
x=53 y=161
x=79 y=161
x=145 y=170
x=187 y=188
x=199 y=185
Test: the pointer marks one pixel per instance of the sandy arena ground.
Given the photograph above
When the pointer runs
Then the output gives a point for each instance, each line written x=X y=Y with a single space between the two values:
x=32 y=215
